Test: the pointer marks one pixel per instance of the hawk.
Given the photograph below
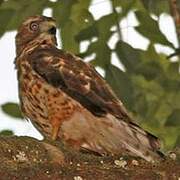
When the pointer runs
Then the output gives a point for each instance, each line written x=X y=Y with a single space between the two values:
x=67 y=100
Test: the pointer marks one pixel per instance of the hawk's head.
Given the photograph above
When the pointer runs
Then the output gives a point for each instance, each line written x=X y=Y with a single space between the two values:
x=35 y=29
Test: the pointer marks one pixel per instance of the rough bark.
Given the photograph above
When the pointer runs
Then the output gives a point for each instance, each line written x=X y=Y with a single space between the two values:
x=28 y=158
x=175 y=11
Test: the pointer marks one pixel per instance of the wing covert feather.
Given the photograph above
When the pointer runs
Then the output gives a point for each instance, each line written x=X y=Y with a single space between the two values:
x=78 y=79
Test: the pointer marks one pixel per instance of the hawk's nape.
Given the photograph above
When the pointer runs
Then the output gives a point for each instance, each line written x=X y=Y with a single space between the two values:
x=68 y=100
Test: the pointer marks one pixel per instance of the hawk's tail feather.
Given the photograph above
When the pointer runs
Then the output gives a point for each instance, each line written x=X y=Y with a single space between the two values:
x=120 y=137
x=153 y=140
x=109 y=135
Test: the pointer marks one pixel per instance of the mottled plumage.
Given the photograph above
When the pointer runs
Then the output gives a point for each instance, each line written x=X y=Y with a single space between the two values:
x=66 y=98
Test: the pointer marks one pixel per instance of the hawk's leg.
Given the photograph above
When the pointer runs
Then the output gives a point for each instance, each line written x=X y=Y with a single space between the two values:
x=55 y=126
x=55 y=132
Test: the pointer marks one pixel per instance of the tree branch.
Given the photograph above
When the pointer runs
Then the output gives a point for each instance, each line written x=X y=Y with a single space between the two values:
x=117 y=20
x=175 y=11
x=28 y=158
x=117 y=24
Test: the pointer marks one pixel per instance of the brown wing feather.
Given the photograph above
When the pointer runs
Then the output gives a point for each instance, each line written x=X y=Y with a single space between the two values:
x=79 y=79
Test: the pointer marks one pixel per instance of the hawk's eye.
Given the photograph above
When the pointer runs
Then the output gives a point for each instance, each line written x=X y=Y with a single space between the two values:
x=34 y=26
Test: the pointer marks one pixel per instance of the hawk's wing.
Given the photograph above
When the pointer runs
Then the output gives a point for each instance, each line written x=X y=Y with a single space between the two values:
x=78 y=79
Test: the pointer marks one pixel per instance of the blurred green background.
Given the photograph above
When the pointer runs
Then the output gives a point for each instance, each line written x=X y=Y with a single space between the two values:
x=149 y=85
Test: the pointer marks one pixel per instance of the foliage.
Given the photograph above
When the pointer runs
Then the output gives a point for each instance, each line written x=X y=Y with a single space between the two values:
x=6 y=133
x=149 y=85
x=12 y=109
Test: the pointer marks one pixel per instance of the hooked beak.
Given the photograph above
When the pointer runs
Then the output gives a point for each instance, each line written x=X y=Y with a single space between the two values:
x=52 y=30
x=48 y=27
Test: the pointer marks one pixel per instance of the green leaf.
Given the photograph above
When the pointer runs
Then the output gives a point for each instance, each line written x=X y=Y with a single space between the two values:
x=128 y=56
x=150 y=66
x=121 y=84
x=162 y=111
x=6 y=133
x=169 y=84
x=127 y=5
x=103 y=56
x=100 y=29
x=104 y=24
x=173 y=98
x=151 y=93
x=140 y=106
x=22 y=10
x=150 y=70
x=72 y=17
x=87 y=33
x=68 y=33
x=62 y=11
x=173 y=69
x=72 y=28
x=174 y=118
x=12 y=109
x=156 y=7
x=73 y=10
x=150 y=29
x=5 y=16
x=100 y=47
x=169 y=136
x=80 y=13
